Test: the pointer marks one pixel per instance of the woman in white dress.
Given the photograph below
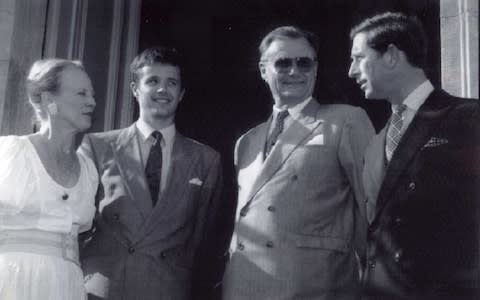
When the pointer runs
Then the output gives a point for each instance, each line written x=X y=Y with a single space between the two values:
x=47 y=188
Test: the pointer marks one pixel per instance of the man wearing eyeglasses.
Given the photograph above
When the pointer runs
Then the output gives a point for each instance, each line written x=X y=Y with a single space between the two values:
x=300 y=201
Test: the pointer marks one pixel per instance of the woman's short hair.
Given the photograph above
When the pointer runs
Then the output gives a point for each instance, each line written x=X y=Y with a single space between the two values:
x=44 y=76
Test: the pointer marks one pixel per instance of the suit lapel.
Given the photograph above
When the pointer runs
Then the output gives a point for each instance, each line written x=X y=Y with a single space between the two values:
x=180 y=166
x=127 y=154
x=294 y=136
x=416 y=135
x=374 y=171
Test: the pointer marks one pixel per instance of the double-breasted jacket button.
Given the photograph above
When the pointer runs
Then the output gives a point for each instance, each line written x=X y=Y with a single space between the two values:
x=411 y=186
x=271 y=208
x=243 y=211
x=269 y=244
x=370 y=230
x=131 y=249
x=397 y=255
x=372 y=263
x=240 y=246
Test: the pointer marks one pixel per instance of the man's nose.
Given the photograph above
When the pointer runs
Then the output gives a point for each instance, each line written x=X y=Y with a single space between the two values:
x=294 y=69
x=352 y=71
x=161 y=87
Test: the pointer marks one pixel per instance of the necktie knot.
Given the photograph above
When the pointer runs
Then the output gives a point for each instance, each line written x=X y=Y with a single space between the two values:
x=399 y=109
x=157 y=136
x=281 y=116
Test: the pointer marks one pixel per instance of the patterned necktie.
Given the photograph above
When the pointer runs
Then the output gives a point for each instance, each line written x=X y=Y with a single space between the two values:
x=394 y=133
x=153 y=169
x=277 y=130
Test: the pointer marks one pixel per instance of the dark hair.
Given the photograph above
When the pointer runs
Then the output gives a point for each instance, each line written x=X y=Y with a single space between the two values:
x=44 y=76
x=405 y=32
x=159 y=54
x=290 y=32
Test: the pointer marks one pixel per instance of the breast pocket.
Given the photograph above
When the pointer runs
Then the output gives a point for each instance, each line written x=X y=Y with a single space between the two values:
x=321 y=242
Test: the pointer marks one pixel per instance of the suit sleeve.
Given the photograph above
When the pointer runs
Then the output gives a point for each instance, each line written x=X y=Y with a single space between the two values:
x=209 y=258
x=356 y=134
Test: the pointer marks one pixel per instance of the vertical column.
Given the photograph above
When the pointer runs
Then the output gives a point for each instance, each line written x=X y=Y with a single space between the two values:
x=7 y=9
x=25 y=46
x=459 y=42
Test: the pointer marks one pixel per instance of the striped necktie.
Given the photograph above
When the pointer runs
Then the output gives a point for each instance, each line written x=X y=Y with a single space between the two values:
x=394 y=133
x=277 y=130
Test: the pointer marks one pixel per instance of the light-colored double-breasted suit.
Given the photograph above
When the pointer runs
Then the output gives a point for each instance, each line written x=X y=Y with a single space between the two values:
x=300 y=209
x=138 y=251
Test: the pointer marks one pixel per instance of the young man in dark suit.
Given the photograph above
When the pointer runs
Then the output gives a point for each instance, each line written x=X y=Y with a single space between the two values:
x=421 y=172
x=158 y=198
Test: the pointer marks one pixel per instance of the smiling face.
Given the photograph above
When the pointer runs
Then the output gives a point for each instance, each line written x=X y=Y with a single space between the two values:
x=368 y=68
x=292 y=87
x=74 y=99
x=158 y=91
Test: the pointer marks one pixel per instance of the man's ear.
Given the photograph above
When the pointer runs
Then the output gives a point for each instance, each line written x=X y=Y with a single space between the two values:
x=133 y=88
x=263 y=70
x=392 y=56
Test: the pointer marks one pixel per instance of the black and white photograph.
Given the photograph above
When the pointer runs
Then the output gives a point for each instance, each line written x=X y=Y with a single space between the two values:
x=239 y=150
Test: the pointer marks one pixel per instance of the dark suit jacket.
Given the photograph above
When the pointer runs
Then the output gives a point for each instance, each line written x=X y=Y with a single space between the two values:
x=148 y=252
x=423 y=240
x=300 y=210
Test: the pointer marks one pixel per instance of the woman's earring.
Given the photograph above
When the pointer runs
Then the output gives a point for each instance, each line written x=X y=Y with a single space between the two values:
x=52 y=108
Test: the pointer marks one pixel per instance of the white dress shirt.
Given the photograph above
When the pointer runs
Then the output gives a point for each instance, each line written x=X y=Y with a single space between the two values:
x=413 y=102
x=293 y=114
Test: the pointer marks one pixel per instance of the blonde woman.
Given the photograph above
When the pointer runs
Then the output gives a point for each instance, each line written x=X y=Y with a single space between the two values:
x=47 y=188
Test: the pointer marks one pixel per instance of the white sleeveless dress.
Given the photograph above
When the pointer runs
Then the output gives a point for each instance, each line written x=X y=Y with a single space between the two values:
x=30 y=200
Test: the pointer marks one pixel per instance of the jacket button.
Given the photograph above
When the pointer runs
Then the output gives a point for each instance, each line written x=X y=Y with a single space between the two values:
x=240 y=246
x=397 y=256
x=294 y=177
x=398 y=221
x=131 y=250
x=269 y=244
x=411 y=186
x=116 y=217
x=271 y=208
x=162 y=255
x=371 y=263
x=243 y=212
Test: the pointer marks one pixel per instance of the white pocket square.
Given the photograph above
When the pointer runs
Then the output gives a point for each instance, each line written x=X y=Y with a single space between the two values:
x=435 y=142
x=316 y=140
x=195 y=181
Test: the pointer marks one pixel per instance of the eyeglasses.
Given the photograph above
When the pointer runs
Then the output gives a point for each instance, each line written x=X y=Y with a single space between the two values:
x=284 y=65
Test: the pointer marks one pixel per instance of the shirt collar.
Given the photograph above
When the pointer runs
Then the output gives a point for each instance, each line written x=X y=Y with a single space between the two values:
x=168 y=133
x=418 y=96
x=295 y=110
